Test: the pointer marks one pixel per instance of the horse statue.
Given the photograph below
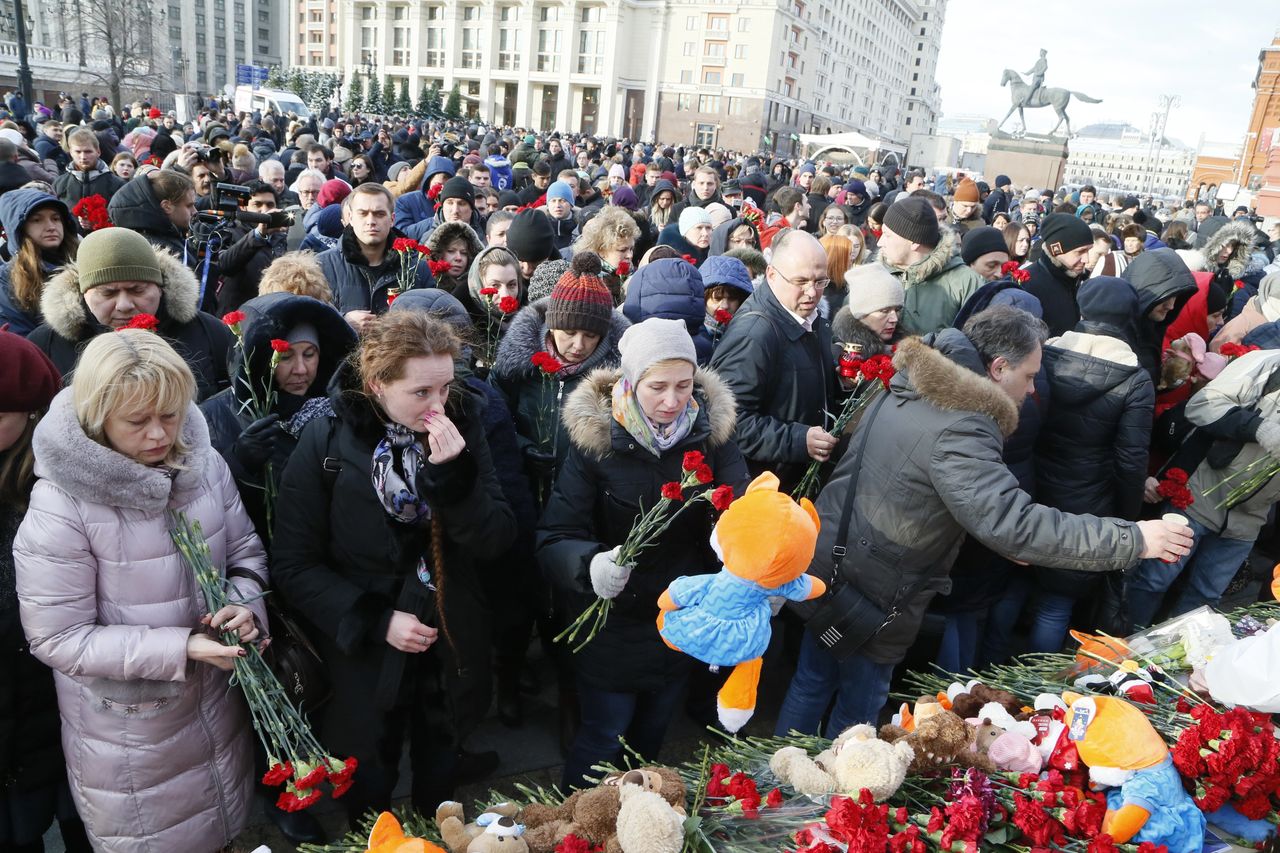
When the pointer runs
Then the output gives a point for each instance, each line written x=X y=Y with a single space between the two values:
x=1044 y=96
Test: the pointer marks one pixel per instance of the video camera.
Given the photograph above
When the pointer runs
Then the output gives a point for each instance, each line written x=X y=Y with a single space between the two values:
x=226 y=203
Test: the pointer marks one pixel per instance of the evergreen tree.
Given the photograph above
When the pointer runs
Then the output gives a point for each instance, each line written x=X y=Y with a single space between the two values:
x=434 y=93
x=423 y=109
x=403 y=105
x=388 y=95
x=275 y=78
x=355 y=95
x=453 y=107
x=373 y=101
x=296 y=81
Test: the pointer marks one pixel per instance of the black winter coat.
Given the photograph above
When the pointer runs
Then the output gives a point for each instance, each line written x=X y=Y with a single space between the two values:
x=604 y=484
x=73 y=185
x=356 y=285
x=343 y=564
x=242 y=263
x=1157 y=275
x=227 y=412
x=1092 y=454
x=783 y=379
x=136 y=207
x=1057 y=294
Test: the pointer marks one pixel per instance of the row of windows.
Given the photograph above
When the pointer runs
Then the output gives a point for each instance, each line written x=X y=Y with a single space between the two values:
x=586 y=14
x=710 y=104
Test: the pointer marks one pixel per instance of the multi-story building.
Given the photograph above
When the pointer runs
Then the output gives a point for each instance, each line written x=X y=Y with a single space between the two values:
x=207 y=39
x=1263 y=133
x=746 y=75
x=59 y=58
x=1120 y=157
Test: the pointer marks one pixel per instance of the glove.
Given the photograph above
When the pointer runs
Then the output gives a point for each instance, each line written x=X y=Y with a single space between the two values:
x=539 y=462
x=257 y=443
x=607 y=577
x=1269 y=437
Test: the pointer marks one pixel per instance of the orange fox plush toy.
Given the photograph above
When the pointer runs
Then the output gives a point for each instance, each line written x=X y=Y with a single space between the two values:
x=765 y=541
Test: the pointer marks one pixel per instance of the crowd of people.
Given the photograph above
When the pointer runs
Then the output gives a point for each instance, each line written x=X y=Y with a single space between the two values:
x=425 y=410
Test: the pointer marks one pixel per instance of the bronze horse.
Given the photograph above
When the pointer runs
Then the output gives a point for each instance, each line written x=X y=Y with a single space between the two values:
x=1045 y=96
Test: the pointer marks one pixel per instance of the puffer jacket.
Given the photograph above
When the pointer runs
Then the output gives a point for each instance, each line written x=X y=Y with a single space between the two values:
x=357 y=286
x=1263 y=308
x=535 y=402
x=1056 y=291
x=1157 y=275
x=202 y=340
x=783 y=379
x=936 y=287
x=15 y=207
x=1230 y=408
x=414 y=206
x=229 y=412
x=1092 y=453
x=136 y=207
x=605 y=482
x=934 y=471
x=73 y=185
x=671 y=289
x=158 y=747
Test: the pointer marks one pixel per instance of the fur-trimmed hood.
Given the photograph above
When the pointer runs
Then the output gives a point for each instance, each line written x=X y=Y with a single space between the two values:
x=935 y=262
x=93 y=472
x=1244 y=234
x=527 y=335
x=588 y=413
x=945 y=370
x=65 y=311
x=446 y=232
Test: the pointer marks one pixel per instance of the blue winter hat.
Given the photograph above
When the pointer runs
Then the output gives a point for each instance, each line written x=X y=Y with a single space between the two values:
x=722 y=270
x=560 y=190
x=807 y=167
x=856 y=187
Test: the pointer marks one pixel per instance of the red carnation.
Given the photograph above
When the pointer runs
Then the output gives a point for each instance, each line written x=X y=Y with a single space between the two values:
x=690 y=258
x=279 y=345
x=1103 y=844
x=722 y=316
x=774 y=799
x=434 y=192
x=341 y=772
x=692 y=460
x=438 y=267
x=703 y=474
x=1020 y=276
x=1234 y=350
x=623 y=268
x=233 y=318
x=278 y=774
x=341 y=788
x=722 y=497
x=146 y=322
x=488 y=291
x=403 y=244
x=508 y=305
x=290 y=801
x=1008 y=267
x=314 y=776
x=573 y=844
x=672 y=492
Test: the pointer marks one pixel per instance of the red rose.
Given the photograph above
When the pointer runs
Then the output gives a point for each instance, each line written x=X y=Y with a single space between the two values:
x=278 y=774
x=692 y=460
x=279 y=345
x=233 y=318
x=703 y=474
x=488 y=291
x=722 y=316
x=146 y=322
x=623 y=268
x=508 y=305
x=672 y=492
x=722 y=497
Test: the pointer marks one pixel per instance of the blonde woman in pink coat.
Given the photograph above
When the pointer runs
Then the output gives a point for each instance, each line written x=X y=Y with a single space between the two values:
x=157 y=744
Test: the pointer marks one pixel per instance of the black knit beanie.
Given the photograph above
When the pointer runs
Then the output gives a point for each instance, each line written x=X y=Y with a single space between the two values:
x=912 y=218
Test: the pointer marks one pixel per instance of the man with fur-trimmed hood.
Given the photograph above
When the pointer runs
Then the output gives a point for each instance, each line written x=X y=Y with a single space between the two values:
x=118 y=277
x=1226 y=247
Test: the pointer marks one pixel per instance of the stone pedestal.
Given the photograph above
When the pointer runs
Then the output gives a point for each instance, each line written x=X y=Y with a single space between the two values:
x=1029 y=161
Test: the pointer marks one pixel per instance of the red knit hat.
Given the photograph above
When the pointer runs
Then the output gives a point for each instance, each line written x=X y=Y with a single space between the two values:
x=28 y=379
x=580 y=301
x=154 y=112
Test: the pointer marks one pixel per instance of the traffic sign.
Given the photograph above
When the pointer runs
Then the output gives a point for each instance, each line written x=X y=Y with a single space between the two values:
x=251 y=75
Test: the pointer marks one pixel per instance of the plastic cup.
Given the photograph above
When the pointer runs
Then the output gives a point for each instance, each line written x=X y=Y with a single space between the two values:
x=1174 y=518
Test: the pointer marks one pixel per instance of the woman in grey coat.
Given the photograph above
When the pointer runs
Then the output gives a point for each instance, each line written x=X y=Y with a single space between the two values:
x=156 y=741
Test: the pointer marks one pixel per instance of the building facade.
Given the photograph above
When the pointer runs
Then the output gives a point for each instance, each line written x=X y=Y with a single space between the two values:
x=1121 y=158
x=1263 y=133
x=207 y=39
x=744 y=75
x=59 y=57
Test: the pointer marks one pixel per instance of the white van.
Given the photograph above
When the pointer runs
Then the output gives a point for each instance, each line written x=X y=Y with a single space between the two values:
x=283 y=102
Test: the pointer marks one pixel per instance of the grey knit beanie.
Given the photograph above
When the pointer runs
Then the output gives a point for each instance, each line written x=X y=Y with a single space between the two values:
x=645 y=344
x=872 y=287
x=544 y=279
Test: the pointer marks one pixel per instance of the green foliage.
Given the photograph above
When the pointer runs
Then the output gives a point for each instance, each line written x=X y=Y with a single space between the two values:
x=453 y=106
x=404 y=106
x=355 y=95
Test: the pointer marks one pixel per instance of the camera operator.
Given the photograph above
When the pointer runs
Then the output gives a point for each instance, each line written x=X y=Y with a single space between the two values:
x=250 y=250
x=158 y=206
x=203 y=164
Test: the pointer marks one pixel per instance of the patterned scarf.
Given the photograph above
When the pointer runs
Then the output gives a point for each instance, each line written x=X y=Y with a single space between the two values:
x=654 y=438
x=566 y=369
x=313 y=408
x=396 y=462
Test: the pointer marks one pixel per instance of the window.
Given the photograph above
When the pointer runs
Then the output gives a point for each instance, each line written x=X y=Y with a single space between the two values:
x=549 y=13
x=509 y=13
x=915 y=77
x=200 y=39
x=590 y=51
x=510 y=46
x=367 y=13
x=715 y=49
x=433 y=13
x=718 y=23
x=686 y=76
x=705 y=136
x=917 y=62
x=735 y=106
x=199 y=20
x=263 y=17
x=684 y=103
x=400 y=13
x=470 y=47
x=740 y=51
x=549 y=49
x=239 y=28
x=264 y=33
x=708 y=103
x=470 y=13
x=744 y=25
x=908 y=121
x=401 y=42
x=688 y=48
x=735 y=80
x=711 y=78
x=919 y=45
x=435 y=47
x=590 y=15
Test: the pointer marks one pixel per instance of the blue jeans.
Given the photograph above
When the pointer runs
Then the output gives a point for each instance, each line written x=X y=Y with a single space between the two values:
x=642 y=718
x=1213 y=562
x=959 y=647
x=860 y=688
x=1052 y=619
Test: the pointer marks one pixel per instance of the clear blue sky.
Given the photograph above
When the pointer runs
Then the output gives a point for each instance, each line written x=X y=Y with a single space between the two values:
x=1128 y=54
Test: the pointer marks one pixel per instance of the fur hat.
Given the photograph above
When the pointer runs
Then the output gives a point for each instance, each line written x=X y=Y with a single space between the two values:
x=872 y=287
x=580 y=300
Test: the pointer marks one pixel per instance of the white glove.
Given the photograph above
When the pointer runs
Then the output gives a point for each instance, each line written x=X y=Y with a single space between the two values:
x=1269 y=437
x=775 y=604
x=607 y=577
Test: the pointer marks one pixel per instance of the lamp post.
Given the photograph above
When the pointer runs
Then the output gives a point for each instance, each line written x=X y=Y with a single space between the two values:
x=24 y=70
x=1167 y=103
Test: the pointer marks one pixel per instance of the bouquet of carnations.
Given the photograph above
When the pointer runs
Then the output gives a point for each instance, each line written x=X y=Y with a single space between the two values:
x=1233 y=757
x=411 y=253
x=92 y=209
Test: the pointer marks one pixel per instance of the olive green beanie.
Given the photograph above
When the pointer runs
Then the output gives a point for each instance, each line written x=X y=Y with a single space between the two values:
x=116 y=254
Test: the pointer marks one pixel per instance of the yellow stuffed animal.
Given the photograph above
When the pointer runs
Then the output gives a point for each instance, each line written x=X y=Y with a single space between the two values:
x=766 y=541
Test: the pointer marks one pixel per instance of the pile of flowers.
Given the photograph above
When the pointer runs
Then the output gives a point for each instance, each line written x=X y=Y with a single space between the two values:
x=862 y=825
x=1230 y=757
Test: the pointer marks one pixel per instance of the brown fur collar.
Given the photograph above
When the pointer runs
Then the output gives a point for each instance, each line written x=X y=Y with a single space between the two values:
x=588 y=413
x=63 y=305
x=953 y=387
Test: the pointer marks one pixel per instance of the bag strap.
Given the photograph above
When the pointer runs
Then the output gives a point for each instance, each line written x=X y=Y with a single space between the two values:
x=846 y=514
x=332 y=463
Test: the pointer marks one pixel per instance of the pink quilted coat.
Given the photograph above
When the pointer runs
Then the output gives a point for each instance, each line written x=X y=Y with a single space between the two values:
x=158 y=747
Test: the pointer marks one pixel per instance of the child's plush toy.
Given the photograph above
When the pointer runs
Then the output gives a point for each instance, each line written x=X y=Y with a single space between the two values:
x=856 y=760
x=941 y=740
x=646 y=822
x=766 y=541
x=967 y=700
x=388 y=837
x=496 y=829
x=592 y=814
x=1125 y=755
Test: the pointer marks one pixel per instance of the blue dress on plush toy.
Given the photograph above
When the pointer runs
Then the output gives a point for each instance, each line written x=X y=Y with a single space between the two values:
x=1175 y=821
x=723 y=619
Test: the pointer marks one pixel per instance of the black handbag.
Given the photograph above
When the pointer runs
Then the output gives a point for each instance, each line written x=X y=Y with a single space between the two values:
x=844 y=620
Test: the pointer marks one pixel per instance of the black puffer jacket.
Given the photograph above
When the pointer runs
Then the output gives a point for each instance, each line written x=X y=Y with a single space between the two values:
x=1157 y=275
x=268 y=317
x=356 y=285
x=242 y=263
x=1092 y=453
x=604 y=484
x=343 y=564
x=135 y=206
x=783 y=379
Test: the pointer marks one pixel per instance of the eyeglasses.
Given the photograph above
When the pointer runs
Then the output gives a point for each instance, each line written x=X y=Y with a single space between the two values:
x=817 y=285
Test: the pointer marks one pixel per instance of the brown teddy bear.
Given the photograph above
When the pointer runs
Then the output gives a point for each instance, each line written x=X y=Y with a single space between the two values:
x=592 y=814
x=967 y=701
x=941 y=740
x=494 y=830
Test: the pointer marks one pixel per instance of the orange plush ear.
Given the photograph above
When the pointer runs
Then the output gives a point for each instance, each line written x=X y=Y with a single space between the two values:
x=808 y=507
x=386 y=829
x=766 y=482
